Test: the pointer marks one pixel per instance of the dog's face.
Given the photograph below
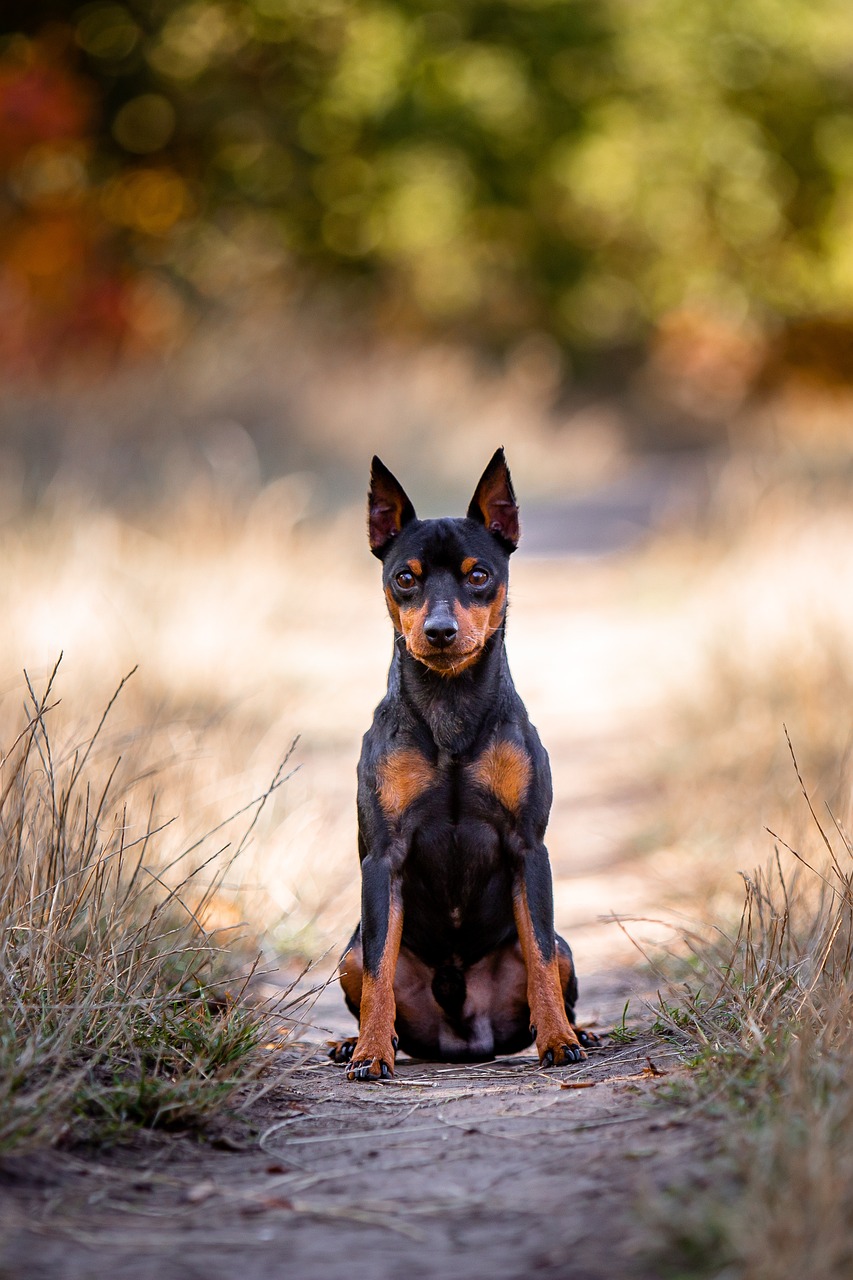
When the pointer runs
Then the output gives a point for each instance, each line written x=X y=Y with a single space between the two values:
x=445 y=580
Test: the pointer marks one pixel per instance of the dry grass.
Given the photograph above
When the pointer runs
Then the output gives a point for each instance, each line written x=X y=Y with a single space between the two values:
x=790 y=963
x=769 y=1007
x=120 y=1004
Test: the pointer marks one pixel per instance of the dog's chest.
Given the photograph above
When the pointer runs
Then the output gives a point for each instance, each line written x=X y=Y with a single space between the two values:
x=454 y=830
x=456 y=879
x=487 y=787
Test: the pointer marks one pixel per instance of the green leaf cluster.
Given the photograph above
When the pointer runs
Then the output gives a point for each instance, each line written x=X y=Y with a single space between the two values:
x=490 y=168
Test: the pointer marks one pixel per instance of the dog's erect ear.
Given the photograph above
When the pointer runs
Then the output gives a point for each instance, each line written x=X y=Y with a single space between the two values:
x=388 y=508
x=493 y=503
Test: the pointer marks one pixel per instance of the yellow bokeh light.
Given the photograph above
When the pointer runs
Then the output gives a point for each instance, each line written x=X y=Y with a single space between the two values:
x=145 y=124
x=147 y=200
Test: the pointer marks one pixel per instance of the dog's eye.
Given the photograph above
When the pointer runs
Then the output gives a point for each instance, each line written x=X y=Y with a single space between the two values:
x=405 y=580
x=478 y=577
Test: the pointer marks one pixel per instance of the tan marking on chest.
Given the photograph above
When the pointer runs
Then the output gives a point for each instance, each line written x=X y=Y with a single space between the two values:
x=402 y=777
x=504 y=768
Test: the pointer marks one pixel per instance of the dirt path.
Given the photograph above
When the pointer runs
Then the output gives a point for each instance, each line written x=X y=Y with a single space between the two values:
x=500 y=1169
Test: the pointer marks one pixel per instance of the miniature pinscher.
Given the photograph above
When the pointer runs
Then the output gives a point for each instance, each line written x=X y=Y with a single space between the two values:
x=455 y=957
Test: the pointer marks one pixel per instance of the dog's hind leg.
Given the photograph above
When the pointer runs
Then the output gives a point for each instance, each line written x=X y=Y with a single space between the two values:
x=569 y=984
x=350 y=974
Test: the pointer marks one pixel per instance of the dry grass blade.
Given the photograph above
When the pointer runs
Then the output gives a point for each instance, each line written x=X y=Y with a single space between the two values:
x=773 y=1019
x=106 y=966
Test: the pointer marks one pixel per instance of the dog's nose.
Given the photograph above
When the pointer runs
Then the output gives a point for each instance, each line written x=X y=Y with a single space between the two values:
x=440 y=629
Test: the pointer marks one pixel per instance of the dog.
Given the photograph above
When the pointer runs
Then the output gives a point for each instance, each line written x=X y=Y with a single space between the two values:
x=455 y=957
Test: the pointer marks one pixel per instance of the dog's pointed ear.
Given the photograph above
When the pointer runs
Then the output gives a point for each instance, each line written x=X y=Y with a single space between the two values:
x=494 y=504
x=388 y=508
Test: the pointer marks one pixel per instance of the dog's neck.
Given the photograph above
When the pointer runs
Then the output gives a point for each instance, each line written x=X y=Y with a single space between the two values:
x=453 y=708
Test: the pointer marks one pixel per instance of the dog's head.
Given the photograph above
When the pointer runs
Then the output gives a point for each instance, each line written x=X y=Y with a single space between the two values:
x=445 y=580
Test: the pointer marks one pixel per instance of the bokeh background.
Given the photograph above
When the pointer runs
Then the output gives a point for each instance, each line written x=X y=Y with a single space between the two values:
x=246 y=244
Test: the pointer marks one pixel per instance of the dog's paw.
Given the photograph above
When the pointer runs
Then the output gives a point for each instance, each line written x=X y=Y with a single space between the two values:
x=586 y=1037
x=561 y=1055
x=341 y=1051
x=369 y=1069
x=557 y=1045
x=372 y=1059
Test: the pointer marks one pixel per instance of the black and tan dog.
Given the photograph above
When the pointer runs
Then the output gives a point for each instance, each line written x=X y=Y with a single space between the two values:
x=455 y=957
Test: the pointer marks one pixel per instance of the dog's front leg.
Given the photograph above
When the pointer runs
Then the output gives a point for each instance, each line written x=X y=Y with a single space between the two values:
x=381 y=930
x=533 y=908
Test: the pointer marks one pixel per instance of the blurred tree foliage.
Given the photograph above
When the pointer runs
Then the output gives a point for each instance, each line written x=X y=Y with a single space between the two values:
x=557 y=171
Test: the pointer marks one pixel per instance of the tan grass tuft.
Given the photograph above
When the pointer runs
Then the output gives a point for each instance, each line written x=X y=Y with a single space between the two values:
x=772 y=1017
x=114 y=1004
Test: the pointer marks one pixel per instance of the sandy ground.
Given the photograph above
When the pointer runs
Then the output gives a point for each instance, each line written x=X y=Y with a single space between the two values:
x=501 y=1169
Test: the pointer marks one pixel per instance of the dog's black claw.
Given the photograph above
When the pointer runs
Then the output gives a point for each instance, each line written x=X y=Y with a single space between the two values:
x=361 y=1070
x=587 y=1038
x=573 y=1052
x=342 y=1050
x=395 y=1042
x=533 y=1031
x=548 y=1058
